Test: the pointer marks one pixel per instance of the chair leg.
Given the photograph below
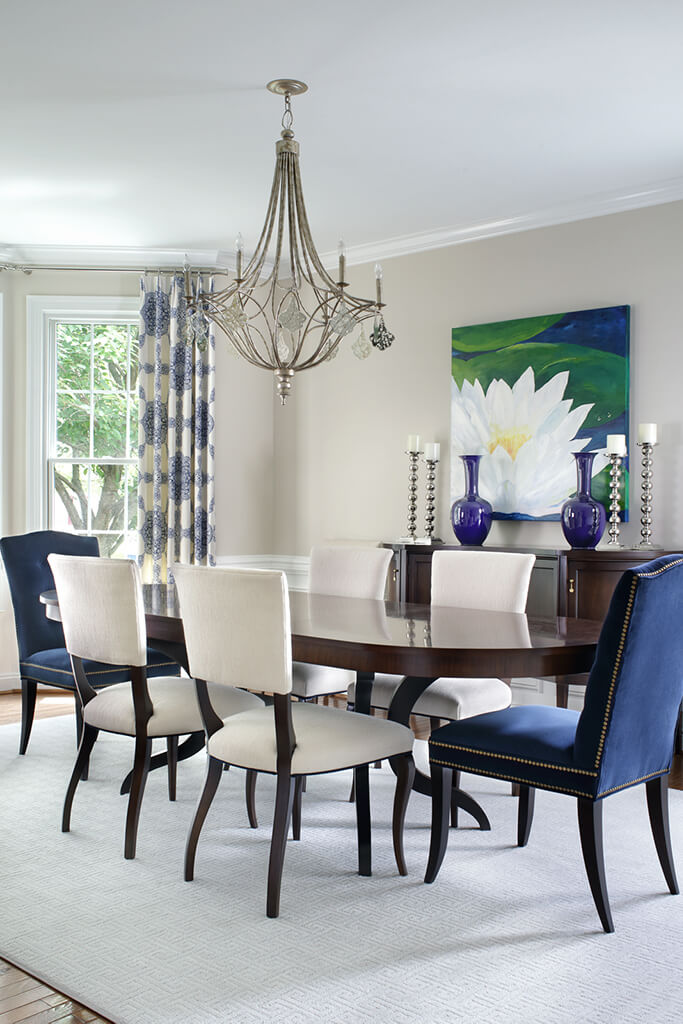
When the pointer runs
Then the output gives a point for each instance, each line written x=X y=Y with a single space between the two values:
x=296 y=807
x=172 y=754
x=352 y=794
x=28 y=707
x=442 y=785
x=658 y=809
x=214 y=774
x=79 y=732
x=87 y=743
x=404 y=786
x=590 y=830
x=454 y=805
x=284 y=798
x=250 y=792
x=143 y=753
x=525 y=813
x=361 y=778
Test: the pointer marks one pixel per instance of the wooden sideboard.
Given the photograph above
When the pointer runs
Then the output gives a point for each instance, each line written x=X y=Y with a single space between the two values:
x=565 y=581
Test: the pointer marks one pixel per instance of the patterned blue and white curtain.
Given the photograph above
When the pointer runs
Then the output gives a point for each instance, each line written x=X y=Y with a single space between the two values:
x=176 y=453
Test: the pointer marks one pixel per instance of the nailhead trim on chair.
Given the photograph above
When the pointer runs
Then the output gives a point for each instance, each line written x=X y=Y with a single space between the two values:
x=633 y=782
x=514 y=778
x=615 y=671
x=520 y=760
x=100 y=672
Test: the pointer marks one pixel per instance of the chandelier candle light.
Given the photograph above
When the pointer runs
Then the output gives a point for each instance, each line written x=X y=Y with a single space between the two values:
x=647 y=439
x=283 y=311
x=616 y=449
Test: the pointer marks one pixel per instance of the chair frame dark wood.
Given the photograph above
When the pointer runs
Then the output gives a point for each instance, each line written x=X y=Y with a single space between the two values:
x=288 y=797
x=590 y=831
x=143 y=708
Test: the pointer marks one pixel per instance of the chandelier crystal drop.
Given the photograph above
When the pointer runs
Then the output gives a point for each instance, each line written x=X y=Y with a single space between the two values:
x=283 y=311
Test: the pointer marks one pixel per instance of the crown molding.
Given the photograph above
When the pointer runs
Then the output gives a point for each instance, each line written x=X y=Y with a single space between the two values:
x=135 y=258
x=96 y=257
x=563 y=213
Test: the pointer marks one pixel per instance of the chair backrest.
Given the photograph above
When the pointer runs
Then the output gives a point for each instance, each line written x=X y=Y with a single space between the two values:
x=496 y=581
x=237 y=626
x=101 y=607
x=28 y=575
x=626 y=728
x=349 y=571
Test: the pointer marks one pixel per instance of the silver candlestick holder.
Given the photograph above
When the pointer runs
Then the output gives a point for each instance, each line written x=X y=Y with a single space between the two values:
x=614 y=491
x=412 y=495
x=646 y=494
x=430 y=498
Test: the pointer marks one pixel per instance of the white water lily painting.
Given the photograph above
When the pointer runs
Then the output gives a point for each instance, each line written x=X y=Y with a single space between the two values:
x=527 y=394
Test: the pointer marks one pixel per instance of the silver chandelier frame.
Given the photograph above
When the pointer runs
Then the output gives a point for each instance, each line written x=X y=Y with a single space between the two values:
x=286 y=315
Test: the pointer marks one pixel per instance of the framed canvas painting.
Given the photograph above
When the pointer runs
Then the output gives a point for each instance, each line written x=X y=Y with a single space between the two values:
x=526 y=394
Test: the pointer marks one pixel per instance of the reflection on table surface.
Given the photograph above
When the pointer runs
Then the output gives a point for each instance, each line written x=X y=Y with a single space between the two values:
x=408 y=625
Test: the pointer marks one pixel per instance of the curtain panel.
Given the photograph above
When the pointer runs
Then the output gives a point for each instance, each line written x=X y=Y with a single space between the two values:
x=176 y=516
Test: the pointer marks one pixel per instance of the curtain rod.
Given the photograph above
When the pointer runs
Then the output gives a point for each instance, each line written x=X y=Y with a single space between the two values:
x=30 y=267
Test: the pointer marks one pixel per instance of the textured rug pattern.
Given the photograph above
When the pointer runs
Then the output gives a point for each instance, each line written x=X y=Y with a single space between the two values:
x=503 y=935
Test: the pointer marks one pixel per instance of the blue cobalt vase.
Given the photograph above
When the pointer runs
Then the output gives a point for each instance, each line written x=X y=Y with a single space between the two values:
x=583 y=518
x=471 y=515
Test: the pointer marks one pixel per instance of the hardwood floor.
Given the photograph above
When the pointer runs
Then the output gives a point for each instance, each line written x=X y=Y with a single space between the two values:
x=23 y=999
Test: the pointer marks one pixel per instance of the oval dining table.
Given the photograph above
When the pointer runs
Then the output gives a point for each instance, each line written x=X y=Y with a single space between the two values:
x=419 y=642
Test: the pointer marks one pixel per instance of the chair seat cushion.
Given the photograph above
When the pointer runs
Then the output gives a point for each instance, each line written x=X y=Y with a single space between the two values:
x=533 y=744
x=445 y=698
x=327 y=739
x=176 y=709
x=319 y=680
x=53 y=668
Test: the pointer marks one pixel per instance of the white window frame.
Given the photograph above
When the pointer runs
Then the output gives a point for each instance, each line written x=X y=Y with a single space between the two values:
x=41 y=310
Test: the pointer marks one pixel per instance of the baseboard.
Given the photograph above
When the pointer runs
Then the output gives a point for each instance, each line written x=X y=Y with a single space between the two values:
x=9 y=681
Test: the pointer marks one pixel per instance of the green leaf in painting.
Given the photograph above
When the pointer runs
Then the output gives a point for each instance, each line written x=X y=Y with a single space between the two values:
x=485 y=337
x=595 y=377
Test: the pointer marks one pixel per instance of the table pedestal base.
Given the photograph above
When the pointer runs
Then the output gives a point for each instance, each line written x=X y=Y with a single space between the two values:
x=402 y=704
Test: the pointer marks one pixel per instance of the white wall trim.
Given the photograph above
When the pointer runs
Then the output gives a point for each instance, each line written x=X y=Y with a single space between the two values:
x=132 y=258
x=40 y=391
x=101 y=256
x=582 y=209
x=295 y=567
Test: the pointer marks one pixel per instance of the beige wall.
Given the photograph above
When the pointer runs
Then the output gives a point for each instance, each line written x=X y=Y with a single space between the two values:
x=331 y=463
x=344 y=430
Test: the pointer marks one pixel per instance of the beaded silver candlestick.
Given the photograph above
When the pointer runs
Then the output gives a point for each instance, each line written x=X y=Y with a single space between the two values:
x=429 y=500
x=646 y=494
x=614 y=488
x=412 y=496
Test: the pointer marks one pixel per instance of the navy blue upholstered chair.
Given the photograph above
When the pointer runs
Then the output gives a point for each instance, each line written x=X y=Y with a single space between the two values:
x=624 y=735
x=43 y=658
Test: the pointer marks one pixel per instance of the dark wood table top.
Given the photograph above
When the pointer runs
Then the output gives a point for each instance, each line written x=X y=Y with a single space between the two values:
x=412 y=639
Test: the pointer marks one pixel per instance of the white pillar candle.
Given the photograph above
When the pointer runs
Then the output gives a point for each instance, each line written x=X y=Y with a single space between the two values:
x=616 y=444
x=413 y=442
x=432 y=451
x=647 y=432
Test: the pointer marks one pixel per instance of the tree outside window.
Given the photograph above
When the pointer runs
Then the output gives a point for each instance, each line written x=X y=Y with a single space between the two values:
x=92 y=468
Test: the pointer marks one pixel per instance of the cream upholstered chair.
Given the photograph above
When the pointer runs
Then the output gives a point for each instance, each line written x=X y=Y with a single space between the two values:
x=101 y=607
x=292 y=739
x=340 y=571
x=487 y=580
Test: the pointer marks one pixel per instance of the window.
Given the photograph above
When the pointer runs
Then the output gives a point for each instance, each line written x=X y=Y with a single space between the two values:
x=85 y=474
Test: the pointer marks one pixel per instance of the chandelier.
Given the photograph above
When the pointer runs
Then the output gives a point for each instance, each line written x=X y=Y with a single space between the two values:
x=283 y=311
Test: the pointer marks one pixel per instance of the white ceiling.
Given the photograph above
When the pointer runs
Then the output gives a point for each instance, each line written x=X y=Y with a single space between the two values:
x=147 y=124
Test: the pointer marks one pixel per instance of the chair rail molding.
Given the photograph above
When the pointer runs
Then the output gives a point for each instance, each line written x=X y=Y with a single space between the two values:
x=295 y=567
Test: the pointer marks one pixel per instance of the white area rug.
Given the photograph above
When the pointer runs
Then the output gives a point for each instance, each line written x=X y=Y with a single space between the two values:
x=503 y=935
